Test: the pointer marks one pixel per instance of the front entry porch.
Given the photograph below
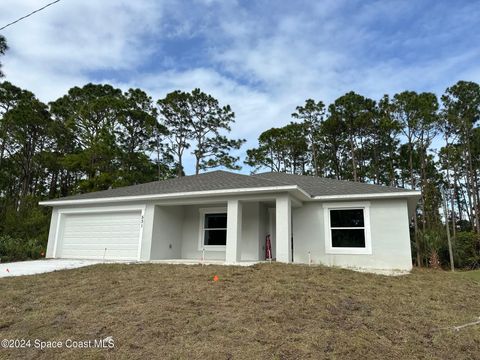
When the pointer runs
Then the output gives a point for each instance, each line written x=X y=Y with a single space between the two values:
x=232 y=231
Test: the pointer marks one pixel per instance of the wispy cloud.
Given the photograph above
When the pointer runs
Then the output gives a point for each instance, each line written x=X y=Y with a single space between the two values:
x=55 y=49
x=262 y=58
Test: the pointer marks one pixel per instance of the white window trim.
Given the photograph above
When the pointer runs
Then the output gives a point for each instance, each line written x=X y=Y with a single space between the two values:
x=201 y=237
x=329 y=249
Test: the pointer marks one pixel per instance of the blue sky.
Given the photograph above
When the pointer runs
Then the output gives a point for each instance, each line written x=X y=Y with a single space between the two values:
x=261 y=57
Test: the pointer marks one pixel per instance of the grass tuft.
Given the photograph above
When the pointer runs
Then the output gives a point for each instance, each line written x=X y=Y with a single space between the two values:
x=268 y=311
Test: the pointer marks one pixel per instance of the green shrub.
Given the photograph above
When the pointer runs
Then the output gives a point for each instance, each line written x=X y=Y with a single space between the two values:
x=16 y=249
x=467 y=250
x=433 y=247
x=27 y=221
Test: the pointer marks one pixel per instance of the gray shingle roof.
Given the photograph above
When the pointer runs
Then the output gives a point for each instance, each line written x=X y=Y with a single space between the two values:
x=316 y=186
x=214 y=180
x=223 y=180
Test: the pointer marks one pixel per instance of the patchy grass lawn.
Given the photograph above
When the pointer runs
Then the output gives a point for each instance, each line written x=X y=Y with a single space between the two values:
x=475 y=275
x=269 y=311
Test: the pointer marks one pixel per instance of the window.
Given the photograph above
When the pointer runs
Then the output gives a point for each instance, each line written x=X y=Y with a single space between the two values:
x=347 y=228
x=213 y=228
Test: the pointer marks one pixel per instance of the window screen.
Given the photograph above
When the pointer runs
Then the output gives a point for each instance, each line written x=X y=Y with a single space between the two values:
x=215 y=229
x=347 y=228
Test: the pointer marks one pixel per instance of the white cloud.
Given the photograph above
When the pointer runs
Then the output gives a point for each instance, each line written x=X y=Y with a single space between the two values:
x=54 y=49
x=263 y=60
x=254 y=109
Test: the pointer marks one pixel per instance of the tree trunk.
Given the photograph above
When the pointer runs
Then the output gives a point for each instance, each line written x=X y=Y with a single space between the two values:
x=337 y=163
x=392 y=169
x=197 y=165
x=2 y=152
x=454 y=224
x=415 y=222
x=454 y=217
x=473 y=189
x=314 y=155
x=424 y=183
x=476 y=200
x=456 y=194
x=467 y=201
x=198 y=154
x=354 y=162
x=180 y=165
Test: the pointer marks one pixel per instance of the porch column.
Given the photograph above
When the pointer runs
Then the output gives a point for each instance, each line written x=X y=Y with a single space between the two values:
x=283 y=229
x=147 y=233
x=52 y=234
x=234 y=232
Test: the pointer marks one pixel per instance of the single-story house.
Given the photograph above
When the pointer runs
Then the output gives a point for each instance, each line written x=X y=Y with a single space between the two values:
x=226 y=216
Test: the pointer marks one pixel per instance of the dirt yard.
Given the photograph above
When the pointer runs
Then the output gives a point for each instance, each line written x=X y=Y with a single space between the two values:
x=269 y=311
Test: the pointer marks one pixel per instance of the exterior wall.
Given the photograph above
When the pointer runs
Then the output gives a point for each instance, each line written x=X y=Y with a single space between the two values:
x=172 y=231
x=167 y=232
x=178 y=225
x=191 y=234
x=272 y=230
x=253 y=233
x=389 y=234
x=263 y=228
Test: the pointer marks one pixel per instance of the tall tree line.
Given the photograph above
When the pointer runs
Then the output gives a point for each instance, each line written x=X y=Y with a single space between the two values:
x=98 y=137
x=410 y=140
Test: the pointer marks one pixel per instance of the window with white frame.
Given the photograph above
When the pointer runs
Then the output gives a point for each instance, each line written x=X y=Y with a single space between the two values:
x=213 y=228
x=347 y=228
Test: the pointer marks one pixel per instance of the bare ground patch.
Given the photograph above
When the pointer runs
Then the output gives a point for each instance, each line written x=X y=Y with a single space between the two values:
x=268 y=311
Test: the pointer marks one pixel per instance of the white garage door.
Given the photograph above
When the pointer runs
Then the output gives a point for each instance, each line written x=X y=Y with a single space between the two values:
x=105 y=235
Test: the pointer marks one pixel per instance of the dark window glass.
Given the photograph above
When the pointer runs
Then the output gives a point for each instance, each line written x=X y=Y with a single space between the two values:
x=215 y=237
x=346 y=218
x=348 y=238
x=215 y=221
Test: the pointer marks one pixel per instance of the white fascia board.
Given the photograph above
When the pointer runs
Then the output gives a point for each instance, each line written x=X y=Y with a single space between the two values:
x=190 y=194
x=391 y=195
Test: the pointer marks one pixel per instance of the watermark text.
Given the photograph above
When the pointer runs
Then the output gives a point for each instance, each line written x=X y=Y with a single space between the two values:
x=107 y=343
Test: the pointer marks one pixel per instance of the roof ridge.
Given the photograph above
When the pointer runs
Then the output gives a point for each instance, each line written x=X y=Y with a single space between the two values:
x=269 y=180
x=277 y=182
x=330 y=179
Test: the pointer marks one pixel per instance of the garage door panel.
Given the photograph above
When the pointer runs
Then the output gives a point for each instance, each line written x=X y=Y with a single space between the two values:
x=87 y=235
x=99 y=249
x=100 y=225
x=108 y=224
x=99 y=246
x=105 y=227
x=104 y=234
x=93 y=254
x=100 y=241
